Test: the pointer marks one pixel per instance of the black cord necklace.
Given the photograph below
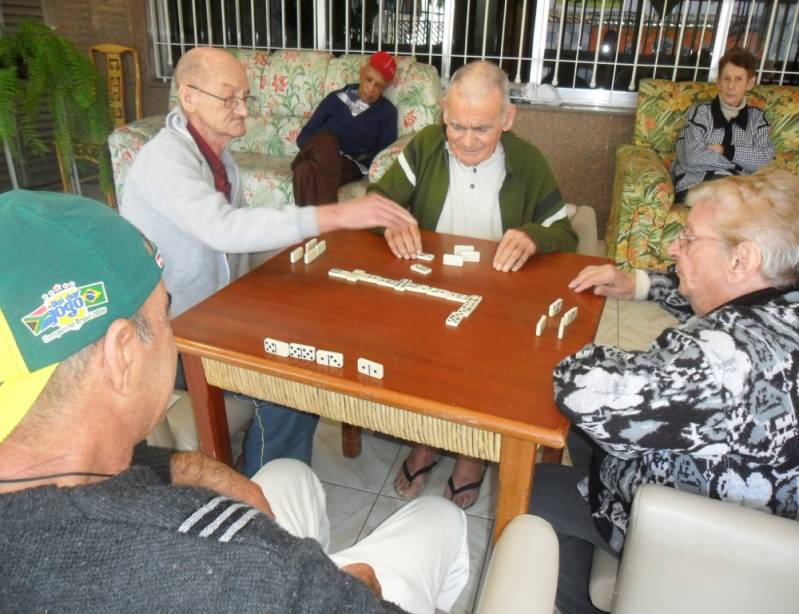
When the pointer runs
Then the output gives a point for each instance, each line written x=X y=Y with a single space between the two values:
x=36 y=478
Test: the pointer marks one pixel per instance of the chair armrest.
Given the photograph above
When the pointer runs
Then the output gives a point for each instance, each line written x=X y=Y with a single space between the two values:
x=522 y=575
x=125 y=142
x=386 y=157
x=688 y=553
x=643 y=195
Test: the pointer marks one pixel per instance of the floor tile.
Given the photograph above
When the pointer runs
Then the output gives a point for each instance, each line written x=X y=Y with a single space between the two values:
x=607 y=332
x=348 y=510
x=368 y=472
x=482 y=508
x=479 y=530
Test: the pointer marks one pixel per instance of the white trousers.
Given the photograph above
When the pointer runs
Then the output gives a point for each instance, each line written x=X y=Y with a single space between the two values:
x=420 y=554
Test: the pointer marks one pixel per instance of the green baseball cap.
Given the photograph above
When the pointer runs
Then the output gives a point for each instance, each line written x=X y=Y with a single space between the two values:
x=70 y=267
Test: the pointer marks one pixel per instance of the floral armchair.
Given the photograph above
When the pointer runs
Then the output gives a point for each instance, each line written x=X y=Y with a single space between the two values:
x=290 y=85
x=643 y=217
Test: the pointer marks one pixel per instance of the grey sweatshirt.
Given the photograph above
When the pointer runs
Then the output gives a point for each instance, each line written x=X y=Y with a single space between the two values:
x=205 y=240
x=134 y=544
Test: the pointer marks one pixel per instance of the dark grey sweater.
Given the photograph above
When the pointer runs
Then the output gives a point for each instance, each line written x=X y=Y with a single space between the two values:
x=133 y=544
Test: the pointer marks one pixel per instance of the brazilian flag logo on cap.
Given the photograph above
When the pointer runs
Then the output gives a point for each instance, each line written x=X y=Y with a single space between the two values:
x=66 y=308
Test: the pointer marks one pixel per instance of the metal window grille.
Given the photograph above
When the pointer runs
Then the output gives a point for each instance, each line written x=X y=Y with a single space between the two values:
x=575 y=51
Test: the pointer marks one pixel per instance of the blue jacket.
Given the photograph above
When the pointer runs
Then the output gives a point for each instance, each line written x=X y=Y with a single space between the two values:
x=361 y=137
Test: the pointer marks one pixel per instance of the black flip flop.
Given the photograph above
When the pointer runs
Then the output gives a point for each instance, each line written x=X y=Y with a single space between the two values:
x=411 y=477
x=456 y=491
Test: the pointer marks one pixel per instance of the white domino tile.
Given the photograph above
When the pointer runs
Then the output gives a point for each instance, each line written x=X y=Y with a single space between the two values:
x=421 y=269
x=276 y=347
x=540 y=326
x=330 y=359
x=460 y=249
x=470 y=256
x=370 y=368
x=302 y=352
x=310 y=244
x=425 y=257
x=322 y=245
x=555 y=307
x=453 y=260
x=296 y=254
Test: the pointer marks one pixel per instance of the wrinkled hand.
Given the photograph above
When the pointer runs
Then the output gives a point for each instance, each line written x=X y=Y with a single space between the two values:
x=365 y=574
x=370 y=211
x=606 y=280
x=719 y=149
x=514 y=249
x=405 y=242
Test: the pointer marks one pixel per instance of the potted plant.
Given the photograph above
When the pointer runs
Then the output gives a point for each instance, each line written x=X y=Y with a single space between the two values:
x=41 y=70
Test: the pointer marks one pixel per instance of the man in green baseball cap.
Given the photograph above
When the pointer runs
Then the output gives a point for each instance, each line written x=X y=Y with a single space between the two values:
x=93 y=520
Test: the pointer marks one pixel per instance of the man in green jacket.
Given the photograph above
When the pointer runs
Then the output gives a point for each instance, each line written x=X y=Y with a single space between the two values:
x=474 y=178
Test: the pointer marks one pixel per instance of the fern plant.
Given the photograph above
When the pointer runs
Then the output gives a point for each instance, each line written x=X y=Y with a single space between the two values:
x=41 y=70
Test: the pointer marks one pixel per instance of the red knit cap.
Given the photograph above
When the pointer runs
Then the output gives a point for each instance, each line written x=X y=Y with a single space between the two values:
x=384 y=63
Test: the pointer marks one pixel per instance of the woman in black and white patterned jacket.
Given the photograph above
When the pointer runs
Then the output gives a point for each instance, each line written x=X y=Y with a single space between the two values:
x=711 y=406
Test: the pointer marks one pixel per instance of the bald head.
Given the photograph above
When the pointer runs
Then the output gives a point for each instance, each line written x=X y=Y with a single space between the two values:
x=475 y=80
x=206 y=65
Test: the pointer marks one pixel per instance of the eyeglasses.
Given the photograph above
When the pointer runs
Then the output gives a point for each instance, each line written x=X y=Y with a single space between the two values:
x=231 y=102
x=684 y=238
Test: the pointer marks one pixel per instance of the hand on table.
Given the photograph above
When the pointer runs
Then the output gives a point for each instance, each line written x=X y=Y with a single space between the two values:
x=370 y=211
x=514 y=249
x=365 y=574
x=404 y=242
x=606 y=280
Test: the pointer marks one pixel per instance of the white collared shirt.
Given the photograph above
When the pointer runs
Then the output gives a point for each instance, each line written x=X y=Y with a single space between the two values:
x=471 y=207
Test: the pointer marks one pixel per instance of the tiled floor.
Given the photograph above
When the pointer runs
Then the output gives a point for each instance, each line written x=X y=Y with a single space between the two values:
x=360 y=491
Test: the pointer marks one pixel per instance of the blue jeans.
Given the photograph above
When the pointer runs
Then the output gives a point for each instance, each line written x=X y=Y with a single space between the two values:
x=556 y=499
x=277 y=431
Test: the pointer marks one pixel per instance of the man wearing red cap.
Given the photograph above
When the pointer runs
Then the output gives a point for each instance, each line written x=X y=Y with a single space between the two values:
x=345 y=133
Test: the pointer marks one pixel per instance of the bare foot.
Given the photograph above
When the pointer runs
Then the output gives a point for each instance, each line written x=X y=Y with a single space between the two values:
x=418 y=464
x=468 y=472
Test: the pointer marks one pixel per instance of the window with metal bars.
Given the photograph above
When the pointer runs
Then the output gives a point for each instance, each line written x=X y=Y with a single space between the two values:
x=574 y=51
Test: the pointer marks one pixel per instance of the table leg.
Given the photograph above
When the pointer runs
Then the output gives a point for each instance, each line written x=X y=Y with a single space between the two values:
x=350 y=440
x=551 y=455
x=210 y=418
x=516 y=468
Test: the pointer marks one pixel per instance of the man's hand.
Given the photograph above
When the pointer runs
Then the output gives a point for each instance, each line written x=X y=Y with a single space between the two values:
x=606 y=280
x=365 y=574
x=197 y=469
x=719 y=149
x=370 y=211
x=404 y=242
x=513 y=250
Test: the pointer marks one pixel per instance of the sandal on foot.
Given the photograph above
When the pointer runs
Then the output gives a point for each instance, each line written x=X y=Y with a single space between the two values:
x=412 y=476
x=456 y=491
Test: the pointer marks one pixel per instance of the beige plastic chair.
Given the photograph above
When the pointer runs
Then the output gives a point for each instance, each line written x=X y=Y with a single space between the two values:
x=684 y=553
x=177 y=430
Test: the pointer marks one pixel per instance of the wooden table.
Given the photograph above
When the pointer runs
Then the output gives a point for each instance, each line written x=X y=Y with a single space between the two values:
x=482 y=389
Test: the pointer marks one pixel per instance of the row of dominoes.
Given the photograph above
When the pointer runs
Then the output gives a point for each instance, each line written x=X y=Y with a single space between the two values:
x=311 y=251
x=461 y=254
x=565 y=320
x=469 y=302
x=303 y=352
x=320 y=357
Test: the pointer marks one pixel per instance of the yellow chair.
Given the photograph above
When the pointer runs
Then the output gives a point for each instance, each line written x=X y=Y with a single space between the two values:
x=114 y=56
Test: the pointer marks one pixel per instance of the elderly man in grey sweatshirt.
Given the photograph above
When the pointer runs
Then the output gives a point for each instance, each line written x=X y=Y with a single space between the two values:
x=184 y=193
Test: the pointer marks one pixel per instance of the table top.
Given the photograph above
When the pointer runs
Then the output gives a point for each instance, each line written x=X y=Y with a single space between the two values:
x=490 y=372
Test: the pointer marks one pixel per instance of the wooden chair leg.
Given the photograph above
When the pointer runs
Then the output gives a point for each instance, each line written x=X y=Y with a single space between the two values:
x=350 y=440
x=551 y=455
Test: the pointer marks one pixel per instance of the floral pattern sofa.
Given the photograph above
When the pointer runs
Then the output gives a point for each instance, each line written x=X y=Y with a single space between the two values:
x=643 y=217
x=290 y=85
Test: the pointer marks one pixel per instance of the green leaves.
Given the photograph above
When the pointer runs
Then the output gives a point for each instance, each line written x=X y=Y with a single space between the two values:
x=40 y=70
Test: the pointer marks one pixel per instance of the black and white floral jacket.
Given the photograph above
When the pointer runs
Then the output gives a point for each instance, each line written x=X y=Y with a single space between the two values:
x=710 y=407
